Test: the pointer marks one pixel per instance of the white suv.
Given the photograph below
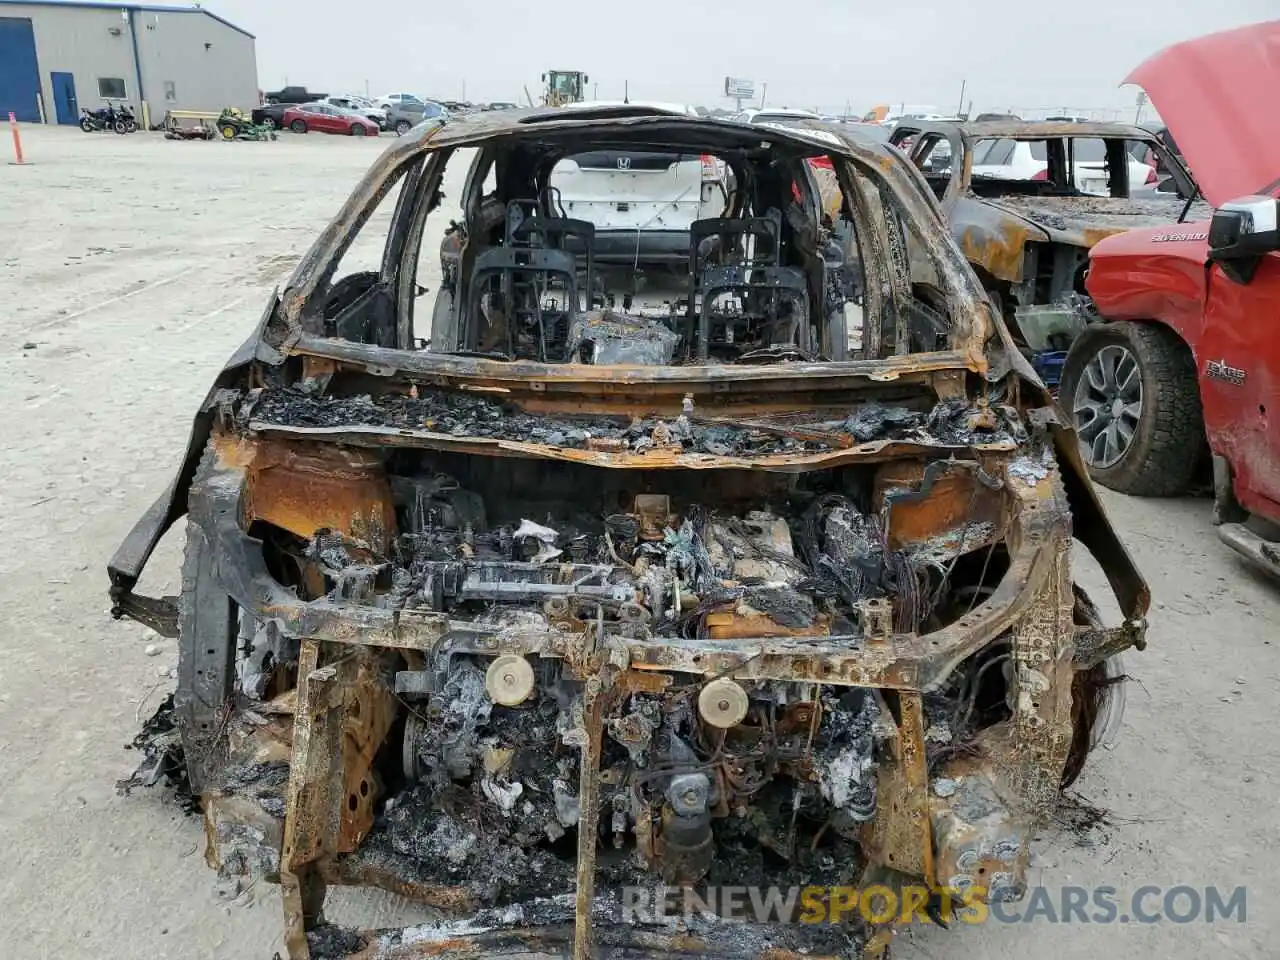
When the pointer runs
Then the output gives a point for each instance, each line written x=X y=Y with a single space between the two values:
x=641 y=202
x=1029 y=160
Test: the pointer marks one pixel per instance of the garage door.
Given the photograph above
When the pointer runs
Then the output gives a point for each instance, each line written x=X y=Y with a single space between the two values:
x=19 y=75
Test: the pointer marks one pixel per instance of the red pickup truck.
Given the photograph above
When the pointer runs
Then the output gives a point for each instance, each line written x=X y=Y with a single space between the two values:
x=1183 y=371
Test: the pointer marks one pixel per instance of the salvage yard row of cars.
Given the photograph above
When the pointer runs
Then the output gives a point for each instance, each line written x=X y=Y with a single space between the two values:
x=397 y=112
x=510 y=594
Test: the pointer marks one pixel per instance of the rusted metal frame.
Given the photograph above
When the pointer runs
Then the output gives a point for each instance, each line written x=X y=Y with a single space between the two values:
x=326 y=252
x=867 y=205
x=424 y=204
x=1092 y=528
x=318 y=263
x=877 y=164
x=901 y=836
x=352 y=870
x=920 y=662
x=595 y=701
x=127 y=563
x=971 y=322
x=208 y=624
x=962 y=172
x=1093 y=645
x=305 y=487
x=1044 y=667
x=980 y=840
x=312 y=809
x=343 y=714
x=446 y=370
x=614 y=941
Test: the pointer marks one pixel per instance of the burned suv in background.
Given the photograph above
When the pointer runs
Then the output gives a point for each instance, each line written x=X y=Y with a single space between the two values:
x=767 y=585
x=1026 y=201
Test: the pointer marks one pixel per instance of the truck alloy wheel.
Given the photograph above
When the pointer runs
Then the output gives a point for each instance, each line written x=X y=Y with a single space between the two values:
x=1108 y=404
x=1131 y=392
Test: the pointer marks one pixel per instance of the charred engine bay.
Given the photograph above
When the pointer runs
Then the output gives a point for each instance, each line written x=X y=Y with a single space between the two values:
x=701 y=781
x=648 y=553
x=951 y=423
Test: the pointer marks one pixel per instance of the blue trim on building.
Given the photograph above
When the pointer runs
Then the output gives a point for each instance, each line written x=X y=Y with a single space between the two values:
x=132 y=7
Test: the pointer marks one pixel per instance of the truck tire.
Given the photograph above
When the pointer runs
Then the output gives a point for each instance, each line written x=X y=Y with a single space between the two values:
x=1130 y=390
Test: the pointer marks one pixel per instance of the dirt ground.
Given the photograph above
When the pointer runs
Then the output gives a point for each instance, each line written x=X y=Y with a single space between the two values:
x=130 y=269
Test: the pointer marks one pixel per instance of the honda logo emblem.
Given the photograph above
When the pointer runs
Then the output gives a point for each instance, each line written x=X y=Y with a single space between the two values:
x=624 y=163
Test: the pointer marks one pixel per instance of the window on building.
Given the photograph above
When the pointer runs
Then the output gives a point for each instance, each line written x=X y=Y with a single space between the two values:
x=111 y=88
x=170 y=91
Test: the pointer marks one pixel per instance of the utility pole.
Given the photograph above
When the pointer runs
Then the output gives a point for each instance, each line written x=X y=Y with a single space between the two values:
x=595 y=91
x=960 y=108
x=764 y=92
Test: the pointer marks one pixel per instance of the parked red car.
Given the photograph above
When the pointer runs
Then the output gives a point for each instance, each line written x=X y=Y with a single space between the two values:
x=1184 y=370
x=326 y=118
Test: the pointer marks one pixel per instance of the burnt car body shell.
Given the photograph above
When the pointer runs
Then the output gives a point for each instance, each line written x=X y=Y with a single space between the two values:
x=337 y=697
x=993 y=232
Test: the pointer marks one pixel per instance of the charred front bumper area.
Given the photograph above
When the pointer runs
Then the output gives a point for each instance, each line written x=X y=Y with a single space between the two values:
x=514 y=679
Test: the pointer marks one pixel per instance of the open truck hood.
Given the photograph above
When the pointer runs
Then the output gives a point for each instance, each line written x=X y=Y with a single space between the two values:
x=1212 y=92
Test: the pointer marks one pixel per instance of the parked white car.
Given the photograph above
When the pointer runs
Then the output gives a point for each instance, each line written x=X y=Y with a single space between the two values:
x=641 y=202
x=360 y=105
x=1028 y=160
x=779 y=115
x=390 y=100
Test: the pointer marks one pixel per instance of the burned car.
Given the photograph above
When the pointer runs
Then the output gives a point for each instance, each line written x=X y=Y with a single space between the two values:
x=1026 y=201
x=563 y=594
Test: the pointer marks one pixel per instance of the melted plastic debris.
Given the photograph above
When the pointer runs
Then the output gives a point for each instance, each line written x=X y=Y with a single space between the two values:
x=873 y=422
x=463 y=840
x=465 y=416
x=1029 y=470
x=845 y=756
x=616 y=939
x=263 y=782
x=162 y=758
x=331 y=942
x=953 y=423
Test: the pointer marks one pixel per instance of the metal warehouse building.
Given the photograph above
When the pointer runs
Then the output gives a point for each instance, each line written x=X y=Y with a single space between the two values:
x=56 y=57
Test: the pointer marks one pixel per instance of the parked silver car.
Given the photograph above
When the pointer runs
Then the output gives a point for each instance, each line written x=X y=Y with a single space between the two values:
x=403 y=116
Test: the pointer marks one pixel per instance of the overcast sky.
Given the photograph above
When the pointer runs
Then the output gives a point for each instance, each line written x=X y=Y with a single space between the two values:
x=1013 y=53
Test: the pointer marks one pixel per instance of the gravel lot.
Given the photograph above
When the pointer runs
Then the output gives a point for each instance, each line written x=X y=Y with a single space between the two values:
x=135 y=266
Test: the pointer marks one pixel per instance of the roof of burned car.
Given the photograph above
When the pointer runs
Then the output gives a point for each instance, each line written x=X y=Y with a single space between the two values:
x=625 y=121
x=1030 y=129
